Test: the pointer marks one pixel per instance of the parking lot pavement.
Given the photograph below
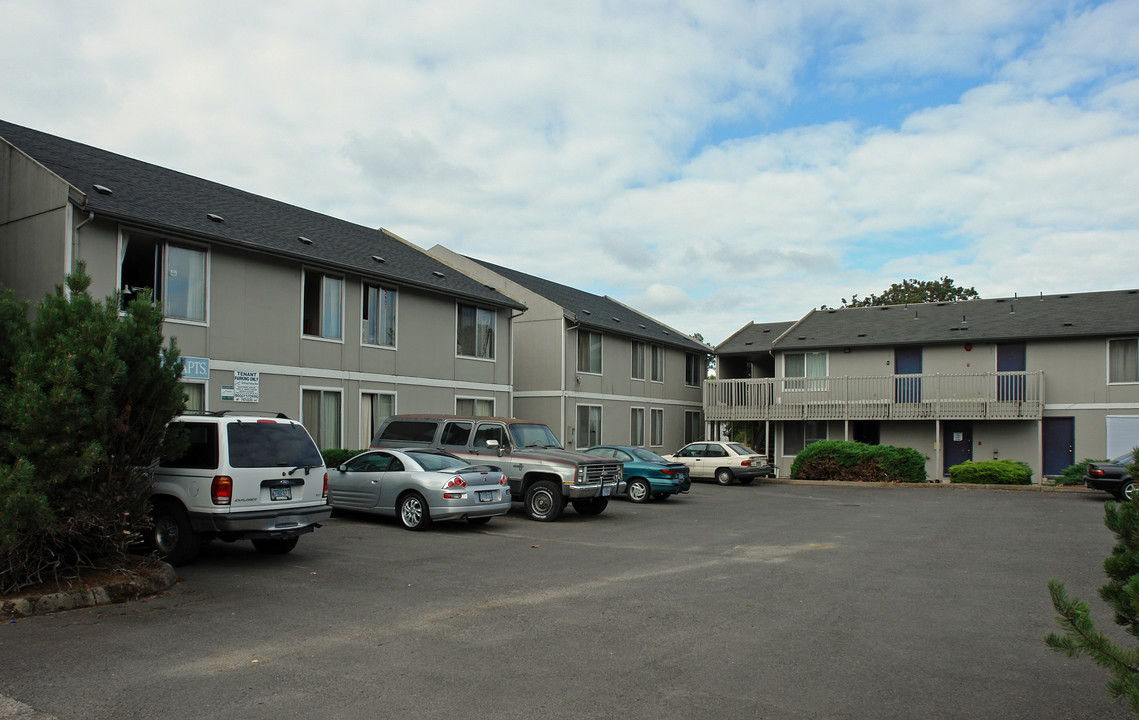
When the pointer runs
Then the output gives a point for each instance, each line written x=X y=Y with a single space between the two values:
x=773 y=601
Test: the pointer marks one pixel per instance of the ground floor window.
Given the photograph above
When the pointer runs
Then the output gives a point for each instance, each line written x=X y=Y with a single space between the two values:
x=798 y=435
x=656 y=427
x=693 y=427
x=637 y=427
x=320 y=414
x=195 y=396
x=588 y=425
x=374 y=409
x=477 y=407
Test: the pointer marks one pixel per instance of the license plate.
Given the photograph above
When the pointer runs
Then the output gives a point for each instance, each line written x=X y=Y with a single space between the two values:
x=486 y=495
x=280 y=493
x=606 y=491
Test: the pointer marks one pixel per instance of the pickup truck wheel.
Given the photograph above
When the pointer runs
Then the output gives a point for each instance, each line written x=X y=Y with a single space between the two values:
x=590 y=506
x=543 y=502
x=639 y=490
x=1126 y=490
x=275 y=546
x=172 y=535
x=413 y=512
x=724 y=476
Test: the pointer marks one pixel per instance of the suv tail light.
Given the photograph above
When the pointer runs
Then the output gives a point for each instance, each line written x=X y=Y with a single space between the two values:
x=221 y=490
x=324 y=492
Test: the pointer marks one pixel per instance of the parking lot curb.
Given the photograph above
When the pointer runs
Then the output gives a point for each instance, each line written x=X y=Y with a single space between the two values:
x=1066 y=489
x=130 y=587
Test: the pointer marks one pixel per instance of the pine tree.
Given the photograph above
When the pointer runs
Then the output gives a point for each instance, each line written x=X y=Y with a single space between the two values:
x=1080 y=637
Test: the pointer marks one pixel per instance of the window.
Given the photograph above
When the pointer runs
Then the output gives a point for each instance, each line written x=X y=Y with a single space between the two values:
x=589 y=352
x=201 y=446
x=804 y=365
x=1123 y=361
x=195 y=395
x=798 y=435
x=456 y=433
x=656 y=427
x=476 y=332
x=175 y=275
x=378 y=316
x=692 y=369
x=322 y=303
x=374 y=409
x=476 y=407
x=637 y=426
x=320 y=413
x=658 y=363
x=638 y=369
x=588 y=425
x=693 y=427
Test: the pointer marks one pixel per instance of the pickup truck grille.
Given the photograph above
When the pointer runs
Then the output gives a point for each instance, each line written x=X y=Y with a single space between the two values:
x=608 y=471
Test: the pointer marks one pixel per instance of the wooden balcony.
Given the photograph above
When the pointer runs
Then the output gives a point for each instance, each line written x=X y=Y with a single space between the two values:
x=979 y=396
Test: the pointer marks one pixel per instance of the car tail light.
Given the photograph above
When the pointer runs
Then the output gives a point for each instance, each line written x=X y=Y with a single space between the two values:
x=455 y=483
x=1095 y=472
x=668 y=471
x=502 y=480
x=324 y=492
x=221 y=490
x=746 y=463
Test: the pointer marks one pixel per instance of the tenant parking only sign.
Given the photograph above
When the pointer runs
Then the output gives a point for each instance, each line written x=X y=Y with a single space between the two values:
x=246 y=386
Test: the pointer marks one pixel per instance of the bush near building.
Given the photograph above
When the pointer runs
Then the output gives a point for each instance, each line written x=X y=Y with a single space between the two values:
x=334 y=457
x=858 y=462
x=991 y=472
x=1074 y=474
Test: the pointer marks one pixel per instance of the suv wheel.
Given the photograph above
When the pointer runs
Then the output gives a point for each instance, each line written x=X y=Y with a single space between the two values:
x=543 y=501
x=172 y=535
x=275 y=546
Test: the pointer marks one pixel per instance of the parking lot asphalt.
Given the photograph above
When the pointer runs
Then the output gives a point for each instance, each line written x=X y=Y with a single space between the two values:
x=775 y=601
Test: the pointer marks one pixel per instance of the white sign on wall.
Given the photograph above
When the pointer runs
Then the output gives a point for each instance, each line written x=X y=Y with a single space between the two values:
x=246 y=386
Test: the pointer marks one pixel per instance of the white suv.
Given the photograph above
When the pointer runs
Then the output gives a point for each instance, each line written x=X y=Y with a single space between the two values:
x=243 y=476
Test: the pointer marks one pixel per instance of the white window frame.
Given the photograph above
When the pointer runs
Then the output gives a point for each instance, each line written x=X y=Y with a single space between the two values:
x=480 y=314
x=204 y=385
x=798 y=383
x=582 y=336
x=637 y=369
x=364 y=286
x=579 y=430
x=633 y=439
x=476 y=400
x=339 y=392
x=657 y=368
x=656 y=427
x=366 y=438
x=1110 y=341
x=160 y=283
x=320 y=333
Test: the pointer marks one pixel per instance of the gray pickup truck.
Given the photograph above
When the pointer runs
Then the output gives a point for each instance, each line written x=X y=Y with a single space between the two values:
x=541 y=474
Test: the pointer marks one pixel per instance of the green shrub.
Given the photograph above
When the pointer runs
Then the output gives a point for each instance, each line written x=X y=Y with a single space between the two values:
x=333 y=457
x=992 y=472
x=1074 y=474
x=858 y=462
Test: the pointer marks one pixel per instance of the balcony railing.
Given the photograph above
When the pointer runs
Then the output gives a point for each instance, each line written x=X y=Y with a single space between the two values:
x=979 y=396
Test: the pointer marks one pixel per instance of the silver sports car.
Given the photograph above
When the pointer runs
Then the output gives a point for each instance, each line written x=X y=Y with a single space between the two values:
x=418 y=487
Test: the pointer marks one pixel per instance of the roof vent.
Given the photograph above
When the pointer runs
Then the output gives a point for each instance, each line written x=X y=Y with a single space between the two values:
x=616 y=319
x=1067 y=324
x=666 y=332
x=767 y=330
x=303 y=239
x=215 y=218
x=749 y=342
x=861 y=334
x=587 y=312
x=103 y=190
x=438 y=274
x=642 y=327
x=378 y=259
x=802 y=337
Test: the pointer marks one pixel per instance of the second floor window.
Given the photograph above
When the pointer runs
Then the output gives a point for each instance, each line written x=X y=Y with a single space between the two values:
x=804 y=365
x=321 y=315
x=589 y=352
x=658 y=363
x=476 y=332
x=638 y=369
x=692 y=368
x=174 y=274
x=378 y=319
x=1123 y=361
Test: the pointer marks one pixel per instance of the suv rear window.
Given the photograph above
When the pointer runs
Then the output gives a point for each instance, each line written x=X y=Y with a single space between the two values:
x=201 y=449
x=421 y=431
x=271 y=444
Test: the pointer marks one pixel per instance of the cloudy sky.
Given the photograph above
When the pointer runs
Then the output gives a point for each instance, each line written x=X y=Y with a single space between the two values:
x=709 y=163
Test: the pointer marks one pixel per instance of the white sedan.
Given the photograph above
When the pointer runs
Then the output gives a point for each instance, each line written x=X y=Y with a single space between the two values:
x=723 y=461
x=419 y=486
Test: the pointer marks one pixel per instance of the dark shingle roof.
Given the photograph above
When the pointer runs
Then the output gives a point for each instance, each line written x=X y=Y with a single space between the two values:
x=1075 y=315
x=156 y=198
x=753 y=338
x=600 y=312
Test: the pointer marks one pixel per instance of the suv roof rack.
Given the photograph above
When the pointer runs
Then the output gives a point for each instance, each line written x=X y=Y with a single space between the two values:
x=242 y=413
